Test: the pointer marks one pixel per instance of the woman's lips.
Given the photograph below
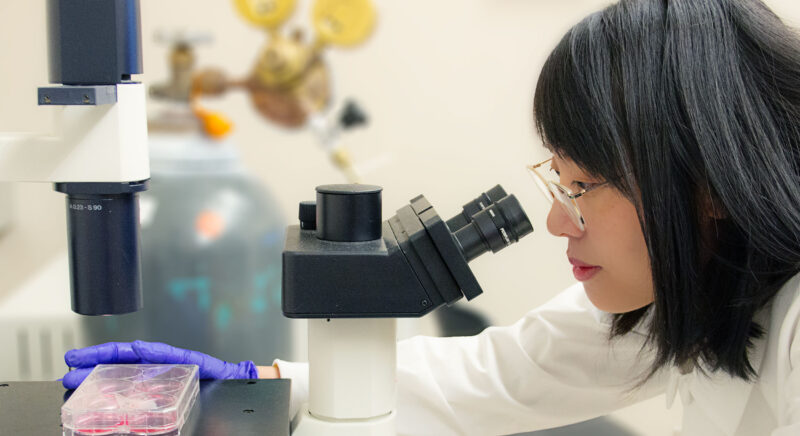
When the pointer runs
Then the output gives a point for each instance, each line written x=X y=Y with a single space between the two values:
x=583 y=271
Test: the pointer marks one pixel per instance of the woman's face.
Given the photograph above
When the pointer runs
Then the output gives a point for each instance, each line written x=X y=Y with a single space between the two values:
x=609 y=256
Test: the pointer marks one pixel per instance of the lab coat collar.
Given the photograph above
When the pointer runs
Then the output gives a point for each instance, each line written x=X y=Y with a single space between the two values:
x=722 y=398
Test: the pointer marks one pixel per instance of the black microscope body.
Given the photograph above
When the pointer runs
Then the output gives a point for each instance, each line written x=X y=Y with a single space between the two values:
x=343 y=262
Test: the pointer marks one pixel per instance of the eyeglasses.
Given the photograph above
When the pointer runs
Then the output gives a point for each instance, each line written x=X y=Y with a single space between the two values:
x=556 y=191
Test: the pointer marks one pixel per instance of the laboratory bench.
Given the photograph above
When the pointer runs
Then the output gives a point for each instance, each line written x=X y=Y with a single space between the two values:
x=223 y=407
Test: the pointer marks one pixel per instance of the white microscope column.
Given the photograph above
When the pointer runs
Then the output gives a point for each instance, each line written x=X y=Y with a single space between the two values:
x=353 y=380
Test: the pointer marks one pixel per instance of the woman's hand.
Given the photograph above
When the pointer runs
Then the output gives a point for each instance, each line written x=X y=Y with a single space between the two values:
x=84 y=360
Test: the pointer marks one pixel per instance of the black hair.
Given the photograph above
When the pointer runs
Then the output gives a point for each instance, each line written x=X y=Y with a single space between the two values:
x=691 y=108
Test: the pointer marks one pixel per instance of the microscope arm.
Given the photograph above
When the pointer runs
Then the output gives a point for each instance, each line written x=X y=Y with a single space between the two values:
x=90 y=142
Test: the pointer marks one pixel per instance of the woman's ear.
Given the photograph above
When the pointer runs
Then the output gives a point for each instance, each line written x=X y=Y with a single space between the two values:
x=711 y=206
x=711 y=213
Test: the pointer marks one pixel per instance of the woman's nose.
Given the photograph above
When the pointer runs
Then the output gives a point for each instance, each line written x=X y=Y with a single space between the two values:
x=559 y=222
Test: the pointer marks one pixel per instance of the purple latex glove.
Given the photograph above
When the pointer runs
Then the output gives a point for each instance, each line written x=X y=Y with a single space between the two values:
x=85 y=359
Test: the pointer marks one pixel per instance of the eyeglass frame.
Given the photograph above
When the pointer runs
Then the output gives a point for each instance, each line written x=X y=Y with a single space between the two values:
x=550 y=195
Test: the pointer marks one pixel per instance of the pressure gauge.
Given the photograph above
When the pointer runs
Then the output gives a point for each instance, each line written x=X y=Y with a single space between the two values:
x=343 y=22
x=266 y=13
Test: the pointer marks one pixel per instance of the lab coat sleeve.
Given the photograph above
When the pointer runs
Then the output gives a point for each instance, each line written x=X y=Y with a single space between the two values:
x=555 y=366
x=789 y=421
x=298 y=373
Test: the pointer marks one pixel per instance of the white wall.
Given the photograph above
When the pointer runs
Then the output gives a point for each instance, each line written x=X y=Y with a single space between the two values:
x=448 y=86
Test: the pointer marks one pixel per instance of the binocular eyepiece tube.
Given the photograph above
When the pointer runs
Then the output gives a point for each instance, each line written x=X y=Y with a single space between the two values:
x=480 y=203
x=496 y=223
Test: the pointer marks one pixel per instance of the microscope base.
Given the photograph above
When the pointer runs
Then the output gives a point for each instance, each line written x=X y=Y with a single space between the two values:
x=306 y=424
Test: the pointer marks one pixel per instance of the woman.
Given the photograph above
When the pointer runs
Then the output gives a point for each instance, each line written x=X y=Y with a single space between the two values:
x=675 y=132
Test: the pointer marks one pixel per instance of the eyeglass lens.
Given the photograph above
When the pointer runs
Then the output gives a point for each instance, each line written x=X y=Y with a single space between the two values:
x=553 y=191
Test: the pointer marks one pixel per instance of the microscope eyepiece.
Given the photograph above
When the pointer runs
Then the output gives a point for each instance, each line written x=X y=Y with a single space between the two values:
x=480 y=203
x=493 y=228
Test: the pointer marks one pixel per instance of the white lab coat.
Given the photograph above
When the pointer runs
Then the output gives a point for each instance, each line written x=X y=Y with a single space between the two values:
x=556 y=366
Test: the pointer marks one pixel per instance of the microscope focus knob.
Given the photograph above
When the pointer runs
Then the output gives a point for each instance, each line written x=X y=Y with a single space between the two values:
x=349 y=213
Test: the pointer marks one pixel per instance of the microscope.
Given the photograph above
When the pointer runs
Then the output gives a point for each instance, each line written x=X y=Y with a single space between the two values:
x=98 y=153
x=352 y=275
